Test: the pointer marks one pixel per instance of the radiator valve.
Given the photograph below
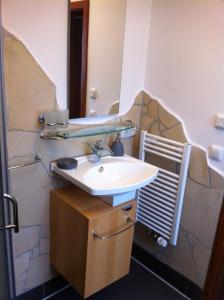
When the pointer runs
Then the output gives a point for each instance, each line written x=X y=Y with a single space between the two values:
x=162 y=242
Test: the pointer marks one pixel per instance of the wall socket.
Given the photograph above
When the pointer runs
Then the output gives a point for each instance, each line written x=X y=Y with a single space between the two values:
x=216 y=152
x=128 y=133
x=93 y=93
x=219 y=121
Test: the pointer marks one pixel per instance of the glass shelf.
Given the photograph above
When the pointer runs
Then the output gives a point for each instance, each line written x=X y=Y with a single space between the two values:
x=77 y=131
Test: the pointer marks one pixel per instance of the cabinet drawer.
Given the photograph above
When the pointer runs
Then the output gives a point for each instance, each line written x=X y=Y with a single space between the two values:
x=87 y=261
x=113 y=223
x=110 y=238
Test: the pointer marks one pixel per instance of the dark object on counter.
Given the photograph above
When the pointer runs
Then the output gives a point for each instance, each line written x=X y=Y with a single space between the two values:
x=117 y=147
x=67 y=163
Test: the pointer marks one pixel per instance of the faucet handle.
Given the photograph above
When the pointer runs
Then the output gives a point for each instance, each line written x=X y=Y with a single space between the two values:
x=100 y=144
x=101 y=149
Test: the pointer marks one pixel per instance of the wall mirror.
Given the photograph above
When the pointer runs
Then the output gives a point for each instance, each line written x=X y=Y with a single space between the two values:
x=95 y=56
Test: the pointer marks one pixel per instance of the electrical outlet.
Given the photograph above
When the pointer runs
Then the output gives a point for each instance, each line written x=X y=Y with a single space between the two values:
x=219 y=122
x=93 y=93
x=216 y=152
x=128 y=133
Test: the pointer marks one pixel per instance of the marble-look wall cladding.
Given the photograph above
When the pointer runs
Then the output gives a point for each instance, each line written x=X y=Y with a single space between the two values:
x=202 y=201
x=29 y=92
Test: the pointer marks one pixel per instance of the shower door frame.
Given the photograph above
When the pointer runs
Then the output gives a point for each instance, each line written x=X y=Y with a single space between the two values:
x=6 y=254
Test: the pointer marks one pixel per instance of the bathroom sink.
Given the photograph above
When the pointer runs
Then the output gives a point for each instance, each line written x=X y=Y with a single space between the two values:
x=111 y=176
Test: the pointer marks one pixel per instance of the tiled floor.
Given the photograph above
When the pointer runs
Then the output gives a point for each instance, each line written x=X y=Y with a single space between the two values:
x=138 y=285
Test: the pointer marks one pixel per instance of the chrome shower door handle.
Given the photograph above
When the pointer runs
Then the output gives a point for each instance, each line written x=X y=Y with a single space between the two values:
x=15 y=224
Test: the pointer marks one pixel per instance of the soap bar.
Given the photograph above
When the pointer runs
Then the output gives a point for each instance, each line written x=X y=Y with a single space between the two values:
x=67 y=163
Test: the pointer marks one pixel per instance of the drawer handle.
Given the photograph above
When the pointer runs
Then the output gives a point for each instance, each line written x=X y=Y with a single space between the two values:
x=127 y=208
x=130 y=222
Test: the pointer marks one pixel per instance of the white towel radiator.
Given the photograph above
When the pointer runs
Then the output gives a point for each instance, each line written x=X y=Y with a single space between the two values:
x=160 y=203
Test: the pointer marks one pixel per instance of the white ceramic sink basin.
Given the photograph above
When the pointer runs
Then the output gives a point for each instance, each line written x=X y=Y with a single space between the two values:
x=111 y=176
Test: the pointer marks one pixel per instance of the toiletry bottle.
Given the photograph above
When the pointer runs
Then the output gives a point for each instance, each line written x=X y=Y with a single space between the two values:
x=117 y=147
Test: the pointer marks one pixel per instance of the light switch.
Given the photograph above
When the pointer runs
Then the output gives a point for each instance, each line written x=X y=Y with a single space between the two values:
x=219 y=122
x=216 y=152
x=93 y=93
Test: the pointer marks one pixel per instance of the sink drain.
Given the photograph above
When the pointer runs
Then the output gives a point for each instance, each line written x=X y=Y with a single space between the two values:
x=101 y=169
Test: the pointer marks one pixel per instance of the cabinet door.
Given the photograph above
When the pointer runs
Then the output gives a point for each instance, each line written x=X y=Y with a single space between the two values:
x=110 y=239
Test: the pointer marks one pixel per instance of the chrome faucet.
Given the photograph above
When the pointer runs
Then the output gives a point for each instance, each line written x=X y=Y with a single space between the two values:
x=100 y=148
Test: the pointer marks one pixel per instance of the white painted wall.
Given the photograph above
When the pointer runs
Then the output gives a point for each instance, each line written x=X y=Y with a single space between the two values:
x=42 y=26
x=185 y=64
x=135 y=51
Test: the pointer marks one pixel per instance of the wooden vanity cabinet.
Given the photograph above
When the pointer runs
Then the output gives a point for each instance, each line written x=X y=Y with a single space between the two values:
x=90 y=262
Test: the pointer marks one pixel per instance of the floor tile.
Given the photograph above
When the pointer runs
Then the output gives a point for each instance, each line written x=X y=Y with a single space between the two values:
x=138 y=285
